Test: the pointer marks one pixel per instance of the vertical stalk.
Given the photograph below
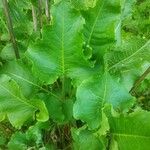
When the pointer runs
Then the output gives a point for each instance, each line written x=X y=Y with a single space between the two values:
x=40 y=13
x=47 y=10
x=34 y=18
x=10 y=28
x=138 y=82
x=63 y=87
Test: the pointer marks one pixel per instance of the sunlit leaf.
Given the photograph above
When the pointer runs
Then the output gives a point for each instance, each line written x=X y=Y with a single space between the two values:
x=92 y=94
x=14 y=104
x=56 y=55
x=131 y=131
x=100 y=24
x=21 y=72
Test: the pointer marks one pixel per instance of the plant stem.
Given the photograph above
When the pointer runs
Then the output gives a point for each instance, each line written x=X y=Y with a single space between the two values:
x=47 y=10
x=138 y=82
x=40 y=13
x=63 y=87
x=10 y=28
x=34 y=18
x=109 y=137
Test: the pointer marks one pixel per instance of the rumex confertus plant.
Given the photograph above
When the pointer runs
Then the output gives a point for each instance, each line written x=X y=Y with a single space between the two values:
x=74 y=85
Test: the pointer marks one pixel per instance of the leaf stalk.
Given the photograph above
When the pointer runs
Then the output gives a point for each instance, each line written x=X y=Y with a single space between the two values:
x=138 y=82
x=10 y=28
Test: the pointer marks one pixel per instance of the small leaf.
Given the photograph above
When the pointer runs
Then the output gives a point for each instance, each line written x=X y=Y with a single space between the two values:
x=8 y=52
x=59 y=111
x=104 y=126
x=30 y=139
x=34 y=133
x=84 y=139
x=18 y=142
x=2 y=116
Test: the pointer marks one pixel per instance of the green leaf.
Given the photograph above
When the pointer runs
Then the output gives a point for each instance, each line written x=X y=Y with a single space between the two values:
x=84 y=139
x=54 y=107
x=7 y=52
x=2 y=116
x=132 y=54
x=42 y=112
x=18 y=142
x=83 y=4
x=114 y=145
x=127 y=6
x=18 y=13
x=24 y=4
x=100 y=25
x=14 y=104
x=2 y=140
x=126 y=12
x=104 y=126
x=92 y=94
x=57 y=55
x=131 y=131
x=30 y=139
x=59 y=111
x=34 y=133
x=21 y=72
x=1 y=4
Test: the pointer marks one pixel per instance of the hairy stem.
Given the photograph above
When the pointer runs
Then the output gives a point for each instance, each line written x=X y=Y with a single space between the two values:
x=10 y=28
x=138 y=82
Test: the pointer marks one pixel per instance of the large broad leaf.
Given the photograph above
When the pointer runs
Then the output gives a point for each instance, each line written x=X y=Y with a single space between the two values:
x=132 y=54
x=100 y=24
x=132 y=131
x=83 y=4
x=21 y=72
x=16 y=106
x=59 y=53
x=92 y=94
x=84 y=139
x=129 y=60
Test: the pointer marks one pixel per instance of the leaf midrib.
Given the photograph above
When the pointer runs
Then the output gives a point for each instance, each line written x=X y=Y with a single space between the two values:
x=132 y=55
x=19 y=99
x=62 y=56
x=130 y=135
x=94 y=24
x=105 y=88
x=36 y=85
x=62 y=45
